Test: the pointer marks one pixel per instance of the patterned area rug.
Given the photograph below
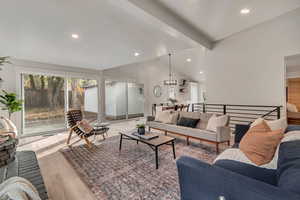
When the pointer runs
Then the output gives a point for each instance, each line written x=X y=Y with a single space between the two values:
x=131 y=174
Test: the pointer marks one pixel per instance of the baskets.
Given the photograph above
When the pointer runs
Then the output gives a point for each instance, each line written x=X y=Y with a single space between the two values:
x=8 y=151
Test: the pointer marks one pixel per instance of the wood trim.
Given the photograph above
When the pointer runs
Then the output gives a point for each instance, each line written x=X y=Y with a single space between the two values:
x=293 y=91
x=88 y=143
x=70 y=135
x=188 y=137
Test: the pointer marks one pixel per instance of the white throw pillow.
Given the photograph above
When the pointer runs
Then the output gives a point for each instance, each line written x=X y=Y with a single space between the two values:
x=291 y=107
x=174 y=117
x=215 y=122
x=273 y=124
x=164 y=117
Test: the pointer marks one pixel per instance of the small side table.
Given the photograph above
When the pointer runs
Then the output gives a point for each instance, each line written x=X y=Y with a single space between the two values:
x=103 y=127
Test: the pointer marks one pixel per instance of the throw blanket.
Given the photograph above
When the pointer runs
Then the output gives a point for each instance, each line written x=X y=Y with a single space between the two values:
x=17 y=188
x=238 y=155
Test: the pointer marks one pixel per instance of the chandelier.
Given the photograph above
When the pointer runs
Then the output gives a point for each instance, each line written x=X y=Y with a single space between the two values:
x=171 y=80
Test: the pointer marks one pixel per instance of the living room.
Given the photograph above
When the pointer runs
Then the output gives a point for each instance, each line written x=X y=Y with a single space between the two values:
x=190 y=75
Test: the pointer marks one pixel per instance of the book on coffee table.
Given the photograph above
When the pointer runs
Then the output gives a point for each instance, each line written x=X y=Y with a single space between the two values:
x=147 y=136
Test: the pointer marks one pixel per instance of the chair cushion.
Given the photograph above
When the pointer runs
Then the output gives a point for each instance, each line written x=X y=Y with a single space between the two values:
x=84 y=126
x=288 y=170
x=260 y=143
x=187 y=122
x=258 y=173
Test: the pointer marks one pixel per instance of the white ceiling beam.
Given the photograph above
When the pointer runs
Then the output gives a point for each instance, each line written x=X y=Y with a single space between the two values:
x=164 y=14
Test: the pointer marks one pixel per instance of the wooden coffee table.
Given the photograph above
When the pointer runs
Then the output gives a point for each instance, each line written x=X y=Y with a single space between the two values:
x=153 y=143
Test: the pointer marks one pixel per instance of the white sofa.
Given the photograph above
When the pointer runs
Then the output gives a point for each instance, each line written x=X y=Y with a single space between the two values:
x=222 y=134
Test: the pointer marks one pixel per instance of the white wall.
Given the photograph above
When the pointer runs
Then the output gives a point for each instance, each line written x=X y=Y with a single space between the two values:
x=248 y=67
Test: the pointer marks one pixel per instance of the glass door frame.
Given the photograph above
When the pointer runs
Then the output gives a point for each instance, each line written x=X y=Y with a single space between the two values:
x=126 y=95
x=66 y=76
x=67 y=107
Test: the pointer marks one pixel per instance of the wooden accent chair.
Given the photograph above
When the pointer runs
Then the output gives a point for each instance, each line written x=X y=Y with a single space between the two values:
x=74 y=116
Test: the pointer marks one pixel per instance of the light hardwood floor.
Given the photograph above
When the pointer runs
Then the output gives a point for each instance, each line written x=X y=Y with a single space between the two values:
x=60 y=178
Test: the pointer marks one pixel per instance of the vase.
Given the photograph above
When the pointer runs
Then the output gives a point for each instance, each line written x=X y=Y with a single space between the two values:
x=141 y=131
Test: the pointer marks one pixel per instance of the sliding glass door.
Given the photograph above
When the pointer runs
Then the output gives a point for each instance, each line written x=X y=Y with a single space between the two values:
x=83 y=95
x=44 y=103
x=115 y=100
x=123 y=100
x=47 y=98
x=135 y=100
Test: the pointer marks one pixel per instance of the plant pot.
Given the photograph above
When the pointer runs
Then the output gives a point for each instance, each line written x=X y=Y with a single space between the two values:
x=141 y=131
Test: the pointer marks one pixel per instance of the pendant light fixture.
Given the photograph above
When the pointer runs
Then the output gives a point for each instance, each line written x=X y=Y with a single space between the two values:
x=171 y=81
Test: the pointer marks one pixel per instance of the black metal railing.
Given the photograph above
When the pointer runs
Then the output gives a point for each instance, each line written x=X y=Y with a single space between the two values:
x=239 y=114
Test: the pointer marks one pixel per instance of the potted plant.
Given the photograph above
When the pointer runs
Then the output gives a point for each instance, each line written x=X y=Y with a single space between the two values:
x=11 y=102
x=141 y=129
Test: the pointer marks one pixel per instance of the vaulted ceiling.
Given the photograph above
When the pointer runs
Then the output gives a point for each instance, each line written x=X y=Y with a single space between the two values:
x=219 y=19
x=112 y=31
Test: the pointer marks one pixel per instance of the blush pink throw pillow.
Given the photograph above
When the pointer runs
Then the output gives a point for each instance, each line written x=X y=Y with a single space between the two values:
x=84 y=126
x=260 y=143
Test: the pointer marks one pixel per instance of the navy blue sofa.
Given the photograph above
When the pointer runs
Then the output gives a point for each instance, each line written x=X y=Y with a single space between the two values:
x=239 y=181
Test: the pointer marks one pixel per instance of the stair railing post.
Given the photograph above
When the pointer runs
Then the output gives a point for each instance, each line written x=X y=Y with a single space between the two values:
x=204 y=109
x=224 y=109
x=278 y=112
x=153 y=109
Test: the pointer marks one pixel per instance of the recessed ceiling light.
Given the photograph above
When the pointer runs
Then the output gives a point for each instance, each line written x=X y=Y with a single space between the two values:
x=136 y=54
x=189 y=60
x=245 y=11
x=75 y=36
x=201 y=72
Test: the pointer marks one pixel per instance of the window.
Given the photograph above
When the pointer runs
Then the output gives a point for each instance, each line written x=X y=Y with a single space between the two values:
x=83 y=95
x=44 y=103
x=123 y=100
x=47 y=98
